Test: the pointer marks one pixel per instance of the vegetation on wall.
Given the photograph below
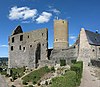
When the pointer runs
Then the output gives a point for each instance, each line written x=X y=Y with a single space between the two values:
x=62 y=62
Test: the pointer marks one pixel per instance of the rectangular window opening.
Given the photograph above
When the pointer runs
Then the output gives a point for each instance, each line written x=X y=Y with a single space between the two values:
x=20 y=47
x=12 y=48
x=12 y=39
x=21 y=37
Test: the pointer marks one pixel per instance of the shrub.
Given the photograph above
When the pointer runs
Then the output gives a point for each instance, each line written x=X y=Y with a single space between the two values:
x=66 y=80
x=78 y=68
x=34 y=82
x=62 y=62
x=46 y=82
x=73 y=61
x=14 y=77
x=17 y=72
x=35 y=76
x=30 y=86
x=25 y=83
x=53 y=69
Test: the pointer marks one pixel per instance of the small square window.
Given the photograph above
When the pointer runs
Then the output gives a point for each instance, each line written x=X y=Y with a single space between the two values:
x=63 y=21
x=12 y=39
x=93 y=50
x=20 y=47
x=23 y=48
x=30 y=45
x=11 y=48
x=42 y=34
x=21 y=37
x=56 y=39
x=28 y=36
x=42 y=44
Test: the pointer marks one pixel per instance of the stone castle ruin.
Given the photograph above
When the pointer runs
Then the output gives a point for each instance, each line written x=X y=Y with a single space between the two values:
x=31 y=48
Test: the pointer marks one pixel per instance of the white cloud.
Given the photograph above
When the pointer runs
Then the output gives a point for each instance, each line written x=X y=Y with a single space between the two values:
x=3 y=45
x=25 y=22
x=22 y=13
x=70 y=44
x=44 y=17
x=72 y=37
x=56 y=11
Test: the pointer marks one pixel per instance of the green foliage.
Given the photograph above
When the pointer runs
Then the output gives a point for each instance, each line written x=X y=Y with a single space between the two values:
x=62 y=62
x=46 y=83
x=78 y=68
x=3 y=70
x=30 y=86
x=67 y=80
x=25 y=83
x=70 y=78
x=73 y=61
x=53 y=69
x=14 y=77
x=17 y=72
x=36 y=75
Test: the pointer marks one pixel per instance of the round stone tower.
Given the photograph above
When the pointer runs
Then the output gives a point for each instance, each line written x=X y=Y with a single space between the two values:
x=60 y=34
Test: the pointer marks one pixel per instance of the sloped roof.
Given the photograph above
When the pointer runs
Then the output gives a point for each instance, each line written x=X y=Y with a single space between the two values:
x=93 y=38
x=17 y=30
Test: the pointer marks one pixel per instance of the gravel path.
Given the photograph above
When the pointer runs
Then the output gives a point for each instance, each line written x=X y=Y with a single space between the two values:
x=2 y=82
x=89 y=79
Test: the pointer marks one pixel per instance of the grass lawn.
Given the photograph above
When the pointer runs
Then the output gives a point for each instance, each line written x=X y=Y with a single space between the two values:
x=35 y=76
x=66 y=80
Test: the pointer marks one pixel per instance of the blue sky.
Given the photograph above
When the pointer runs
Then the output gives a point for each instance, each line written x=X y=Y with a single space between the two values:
x=36 y=14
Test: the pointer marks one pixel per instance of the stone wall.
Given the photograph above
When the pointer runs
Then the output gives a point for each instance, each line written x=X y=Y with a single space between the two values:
x=86 y=50
x=95 y=62
x=66 y=54
x=26 y=49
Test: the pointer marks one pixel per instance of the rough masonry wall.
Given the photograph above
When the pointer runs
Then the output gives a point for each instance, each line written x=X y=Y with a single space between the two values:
x=66 y=54
x=84 y=48
x=60 y=34
x=24 y=52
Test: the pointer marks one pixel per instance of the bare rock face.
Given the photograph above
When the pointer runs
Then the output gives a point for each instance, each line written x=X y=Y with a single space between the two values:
x=17 y=30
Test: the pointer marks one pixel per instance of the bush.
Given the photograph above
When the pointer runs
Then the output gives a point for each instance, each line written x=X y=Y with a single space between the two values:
x=73 y=61
x=17 y=72
x=67 y=80
x=35 y=76
x=78 y=68
x=53 y=69
x=46 y=82
x=62 y=62
x=34 y=82
x=25 y=83
x=30 y=86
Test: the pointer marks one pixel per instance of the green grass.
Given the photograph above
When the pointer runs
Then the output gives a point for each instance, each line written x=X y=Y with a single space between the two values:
x=17 y=72
x=67 y=80
x=71 y=78
x=36 y=75
x=78 y=68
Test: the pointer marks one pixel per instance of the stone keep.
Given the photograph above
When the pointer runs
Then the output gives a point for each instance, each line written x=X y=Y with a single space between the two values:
x=27 y=49
x=60 y=34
